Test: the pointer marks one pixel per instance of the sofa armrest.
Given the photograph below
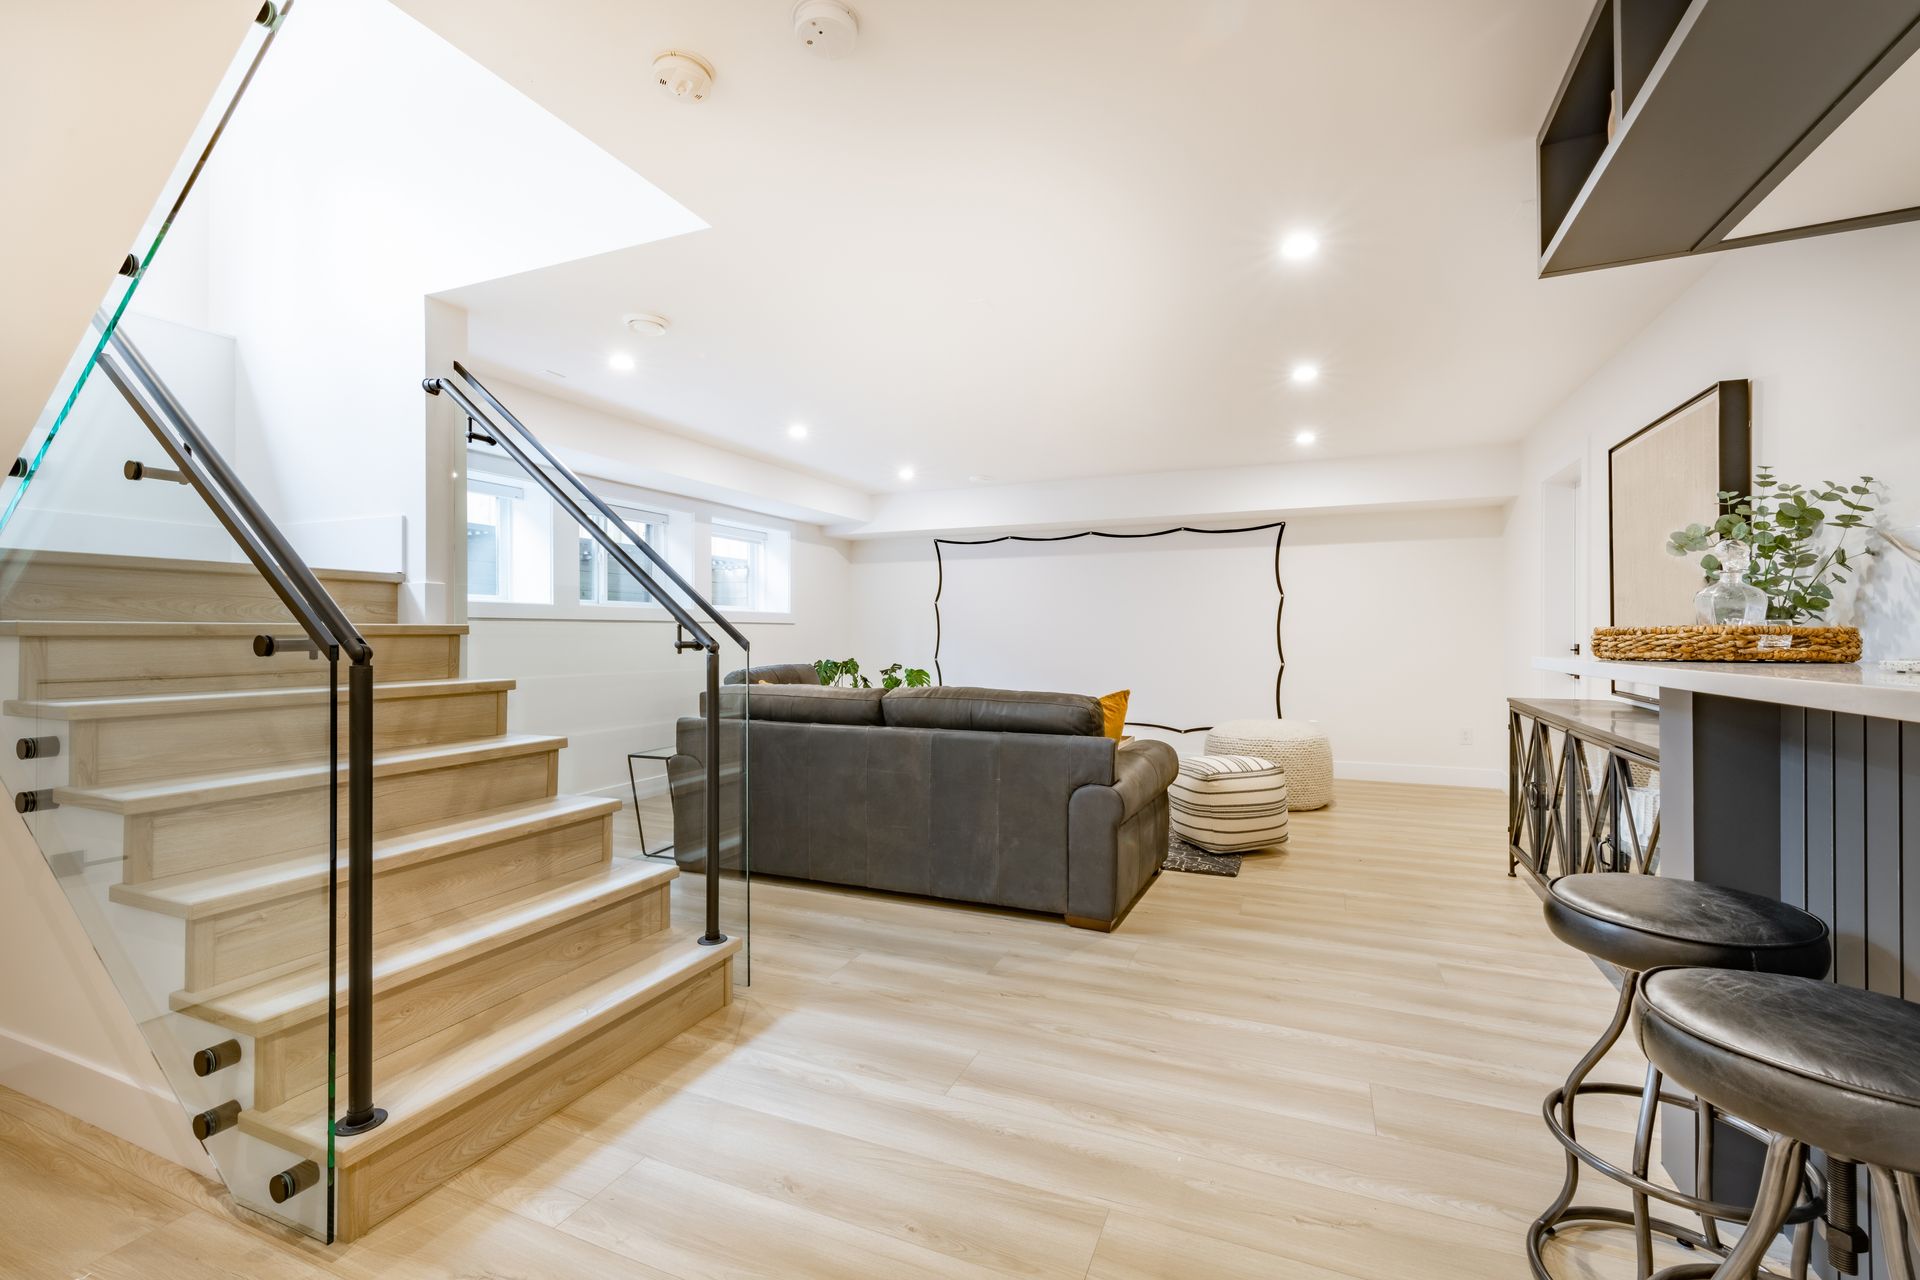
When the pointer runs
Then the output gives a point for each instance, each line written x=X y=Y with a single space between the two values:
x=1143 y=769
x=1117 y=834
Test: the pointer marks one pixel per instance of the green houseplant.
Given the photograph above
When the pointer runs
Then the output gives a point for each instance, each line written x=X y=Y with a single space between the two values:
x=1798 y=536
x=845 y=672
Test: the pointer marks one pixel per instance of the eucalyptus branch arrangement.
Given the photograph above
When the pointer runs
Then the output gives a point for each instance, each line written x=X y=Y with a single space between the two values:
x=1798 y=540
x=845 y=672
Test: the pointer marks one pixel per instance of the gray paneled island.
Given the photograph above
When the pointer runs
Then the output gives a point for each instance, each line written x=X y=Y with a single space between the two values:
x=1801 y=783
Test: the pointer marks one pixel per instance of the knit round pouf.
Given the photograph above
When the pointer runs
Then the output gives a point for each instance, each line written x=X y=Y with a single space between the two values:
x=1298 y=746
x=1229 y=804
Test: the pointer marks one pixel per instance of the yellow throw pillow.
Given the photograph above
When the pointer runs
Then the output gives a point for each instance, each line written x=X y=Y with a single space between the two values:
x=1113 y=714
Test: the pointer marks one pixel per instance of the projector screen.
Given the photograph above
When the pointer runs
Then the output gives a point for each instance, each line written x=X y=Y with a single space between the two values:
x=1187 y=619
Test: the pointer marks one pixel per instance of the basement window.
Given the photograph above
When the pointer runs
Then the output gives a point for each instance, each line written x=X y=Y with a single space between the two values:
x=738 y=557
x=509 y=540
x=602 y=579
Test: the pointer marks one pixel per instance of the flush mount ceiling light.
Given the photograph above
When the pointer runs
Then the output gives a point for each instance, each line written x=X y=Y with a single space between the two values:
x=621 y=362
x=687 y=77
x=826 y=27
x=1305 y=436
x=906 y=473
x=645 y=324
x=798 y=431
x=1298 y=246
x=1305 y=374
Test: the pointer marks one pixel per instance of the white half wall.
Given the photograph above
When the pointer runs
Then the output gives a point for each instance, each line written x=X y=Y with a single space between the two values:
x=1826 y=329
x=1391 y=633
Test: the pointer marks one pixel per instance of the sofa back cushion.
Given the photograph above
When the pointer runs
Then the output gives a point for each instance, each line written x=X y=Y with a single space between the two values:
x=805 y=704
x=780 y=673
x=993 y=711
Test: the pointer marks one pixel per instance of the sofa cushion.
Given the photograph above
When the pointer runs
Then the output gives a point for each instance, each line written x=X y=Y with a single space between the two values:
x=994 y=711
x=781 y=673
x=806 y=704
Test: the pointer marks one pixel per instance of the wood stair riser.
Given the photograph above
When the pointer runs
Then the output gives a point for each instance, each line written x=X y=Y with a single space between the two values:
x=202 y=836
x=56 y=587
x=111 y=752
x=221 y=948
x=294 y=1060
x=374 y=1189
x=121 y=667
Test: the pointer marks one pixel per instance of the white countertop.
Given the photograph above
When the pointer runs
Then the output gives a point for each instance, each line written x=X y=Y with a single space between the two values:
x=1861 y=689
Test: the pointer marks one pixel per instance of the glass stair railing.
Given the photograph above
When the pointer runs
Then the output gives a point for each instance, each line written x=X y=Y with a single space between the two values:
x=708 y=789
x=180 y=737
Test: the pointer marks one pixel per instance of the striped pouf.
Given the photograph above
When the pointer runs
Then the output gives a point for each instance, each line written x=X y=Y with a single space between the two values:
x=1229 y=804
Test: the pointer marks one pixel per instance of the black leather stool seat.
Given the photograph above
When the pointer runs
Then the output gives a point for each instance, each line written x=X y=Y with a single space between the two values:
x=1837 y=1068
x=1646 y=922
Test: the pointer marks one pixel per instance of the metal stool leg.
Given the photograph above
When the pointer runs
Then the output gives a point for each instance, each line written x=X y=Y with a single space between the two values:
x=1543 y=1225
x=1779 y=1189
x=1896 y=1206
x=1704 y=1120
x=1642 y=1159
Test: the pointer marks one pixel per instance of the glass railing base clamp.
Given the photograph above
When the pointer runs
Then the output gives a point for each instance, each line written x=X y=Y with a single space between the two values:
x=216 y=1057
x=215 y=1120
x=288 y=1183
x=37 y=748
x=34 y=802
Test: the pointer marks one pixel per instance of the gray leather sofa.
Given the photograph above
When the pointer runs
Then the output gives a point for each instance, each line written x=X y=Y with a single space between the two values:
x=981 y=795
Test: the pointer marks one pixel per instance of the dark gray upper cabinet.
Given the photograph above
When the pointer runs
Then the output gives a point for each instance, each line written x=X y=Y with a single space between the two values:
x=1675 y=119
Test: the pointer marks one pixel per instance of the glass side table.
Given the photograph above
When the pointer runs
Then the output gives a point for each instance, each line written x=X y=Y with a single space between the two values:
x=662 y=754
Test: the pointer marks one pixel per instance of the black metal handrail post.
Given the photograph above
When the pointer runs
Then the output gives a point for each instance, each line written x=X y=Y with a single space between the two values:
x=361 y=1113
x=713 y=936
x=702 y=638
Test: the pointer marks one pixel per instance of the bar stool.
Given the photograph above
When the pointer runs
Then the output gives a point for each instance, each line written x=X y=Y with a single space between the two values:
x=1639 y=923
x=1819 y=1065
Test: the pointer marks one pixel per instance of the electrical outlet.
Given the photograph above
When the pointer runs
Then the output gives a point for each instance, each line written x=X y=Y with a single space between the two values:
x=1466 y=737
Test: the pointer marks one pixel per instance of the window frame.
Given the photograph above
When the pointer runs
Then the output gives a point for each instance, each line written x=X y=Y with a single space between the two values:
x=756 y=538
x=506 y=494
x=643 y=520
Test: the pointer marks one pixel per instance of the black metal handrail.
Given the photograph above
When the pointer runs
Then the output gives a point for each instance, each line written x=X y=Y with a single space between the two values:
x=622 y=554
x=328 y=628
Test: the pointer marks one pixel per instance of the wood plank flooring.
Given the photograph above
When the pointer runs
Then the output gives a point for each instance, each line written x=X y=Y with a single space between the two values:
x=1329 y=1068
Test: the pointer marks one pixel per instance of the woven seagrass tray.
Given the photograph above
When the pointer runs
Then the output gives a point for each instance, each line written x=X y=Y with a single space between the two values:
x=1767 y=643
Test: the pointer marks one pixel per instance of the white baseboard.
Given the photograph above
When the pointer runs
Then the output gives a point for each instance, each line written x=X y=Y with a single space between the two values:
x=144 y=1114
x=1426 y=775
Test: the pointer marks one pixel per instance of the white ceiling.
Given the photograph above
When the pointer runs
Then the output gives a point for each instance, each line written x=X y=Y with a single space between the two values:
x=1035 y=241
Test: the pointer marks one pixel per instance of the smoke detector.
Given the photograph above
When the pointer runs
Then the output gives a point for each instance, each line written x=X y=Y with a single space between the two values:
x=685 y=76
x=646 y=324
x=827 y=27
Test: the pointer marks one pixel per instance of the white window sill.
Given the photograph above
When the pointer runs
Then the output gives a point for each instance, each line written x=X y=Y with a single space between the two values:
x=507 y=611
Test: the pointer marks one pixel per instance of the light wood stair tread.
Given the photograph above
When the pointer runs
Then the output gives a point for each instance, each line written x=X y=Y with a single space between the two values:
x=147 y=797
x=262 y=1007
x=170 y=564
x=215 y=630
x=158 y=704
x=433 y=1076
x=198 y=894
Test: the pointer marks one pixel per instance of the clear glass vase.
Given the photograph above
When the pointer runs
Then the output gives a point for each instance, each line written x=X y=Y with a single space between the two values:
x=1730 y=600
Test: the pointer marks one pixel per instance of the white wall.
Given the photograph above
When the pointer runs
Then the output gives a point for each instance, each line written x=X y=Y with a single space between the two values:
x=1391 y=634
x=1827 y=330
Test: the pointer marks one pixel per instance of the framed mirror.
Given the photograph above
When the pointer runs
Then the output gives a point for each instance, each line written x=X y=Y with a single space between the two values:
x=1663 y=477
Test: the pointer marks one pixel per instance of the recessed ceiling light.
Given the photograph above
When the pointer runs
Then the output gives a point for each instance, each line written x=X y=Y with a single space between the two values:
x=906 y=473
x=621 y=362
x=1298 y=246
x=1304 y=374
x=1307 y=436
x=798 y=431
x=646 y=324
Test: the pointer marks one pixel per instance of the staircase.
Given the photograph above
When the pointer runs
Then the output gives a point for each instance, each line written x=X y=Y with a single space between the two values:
x=518 y=964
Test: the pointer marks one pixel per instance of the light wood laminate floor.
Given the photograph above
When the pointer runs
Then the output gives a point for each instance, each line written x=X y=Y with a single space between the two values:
x=1328 y=1068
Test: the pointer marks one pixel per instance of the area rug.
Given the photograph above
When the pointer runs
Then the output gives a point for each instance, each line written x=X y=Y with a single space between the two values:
x=1182 y=856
